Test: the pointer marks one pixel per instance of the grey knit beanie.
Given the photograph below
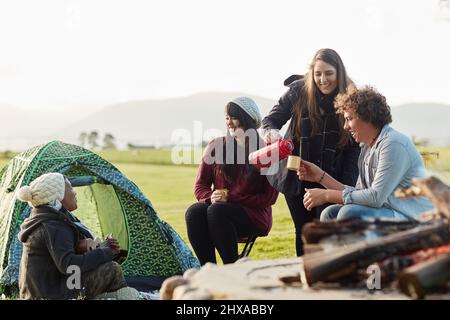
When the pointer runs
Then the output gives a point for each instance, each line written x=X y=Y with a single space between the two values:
x=250 y=107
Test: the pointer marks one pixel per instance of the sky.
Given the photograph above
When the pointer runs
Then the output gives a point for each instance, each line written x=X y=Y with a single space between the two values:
x=58 y=54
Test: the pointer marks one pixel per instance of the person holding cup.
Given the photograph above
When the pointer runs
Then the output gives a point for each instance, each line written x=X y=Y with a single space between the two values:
x=50 y=237
x=317 y=132
x=234 y=199
x=388 y=160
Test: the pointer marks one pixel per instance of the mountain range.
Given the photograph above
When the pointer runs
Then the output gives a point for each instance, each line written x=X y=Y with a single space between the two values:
x=188 y=119
x=426 y=122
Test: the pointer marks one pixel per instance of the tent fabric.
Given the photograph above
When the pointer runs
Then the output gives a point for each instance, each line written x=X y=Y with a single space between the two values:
x=110 y=212
x=154 y=247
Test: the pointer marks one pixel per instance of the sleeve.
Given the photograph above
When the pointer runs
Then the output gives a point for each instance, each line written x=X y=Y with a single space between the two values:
x=60 y=243
x=281 y=112
x=266 y=198
x=350 y=170
x=205 y=175
x=393 y=164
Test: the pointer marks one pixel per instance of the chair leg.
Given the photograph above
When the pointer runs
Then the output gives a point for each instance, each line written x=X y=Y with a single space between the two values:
x=248 y=246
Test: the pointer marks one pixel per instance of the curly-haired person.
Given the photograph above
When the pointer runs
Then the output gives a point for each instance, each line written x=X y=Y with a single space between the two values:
x=388 y=160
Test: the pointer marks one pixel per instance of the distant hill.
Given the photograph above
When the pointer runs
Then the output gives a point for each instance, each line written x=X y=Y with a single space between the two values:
x=424 y=121
x=152 y=122
x=21 y=128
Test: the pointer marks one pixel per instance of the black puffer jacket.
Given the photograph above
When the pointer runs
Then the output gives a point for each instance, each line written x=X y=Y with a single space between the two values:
x=49 y=238
x=321 y=149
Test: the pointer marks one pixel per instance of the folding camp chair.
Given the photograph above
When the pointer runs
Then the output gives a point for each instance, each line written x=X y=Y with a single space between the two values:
x=249 y=242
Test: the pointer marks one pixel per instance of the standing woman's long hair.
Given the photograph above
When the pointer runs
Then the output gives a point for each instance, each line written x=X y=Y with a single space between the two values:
x=230 y=167
x=307 y=102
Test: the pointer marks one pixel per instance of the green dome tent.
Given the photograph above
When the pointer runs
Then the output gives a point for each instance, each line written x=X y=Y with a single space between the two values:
x=153 y=251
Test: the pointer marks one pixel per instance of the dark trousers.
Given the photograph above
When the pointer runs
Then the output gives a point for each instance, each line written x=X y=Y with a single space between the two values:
x=217 y=226
x=301 y=216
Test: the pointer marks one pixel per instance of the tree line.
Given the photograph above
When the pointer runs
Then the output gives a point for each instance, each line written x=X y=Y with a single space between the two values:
x=91 y=139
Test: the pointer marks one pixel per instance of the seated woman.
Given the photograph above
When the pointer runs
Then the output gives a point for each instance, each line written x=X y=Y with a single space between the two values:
x=388 y=160
x=234 y=198
x=50 y=236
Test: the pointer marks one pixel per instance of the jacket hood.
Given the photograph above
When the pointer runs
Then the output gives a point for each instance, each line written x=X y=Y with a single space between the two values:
x=37 y=217
x=291 y=79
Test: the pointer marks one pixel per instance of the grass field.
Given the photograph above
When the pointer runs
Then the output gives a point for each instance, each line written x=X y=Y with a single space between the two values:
x=170 y=189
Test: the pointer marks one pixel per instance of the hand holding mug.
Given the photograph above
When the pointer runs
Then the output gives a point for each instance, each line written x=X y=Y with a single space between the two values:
x=111 y=243
x=219 y=195
x=86 y=245
x=308 y=171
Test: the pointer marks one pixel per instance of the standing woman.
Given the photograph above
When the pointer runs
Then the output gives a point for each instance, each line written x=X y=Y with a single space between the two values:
x=218 y=220
x=317 y=132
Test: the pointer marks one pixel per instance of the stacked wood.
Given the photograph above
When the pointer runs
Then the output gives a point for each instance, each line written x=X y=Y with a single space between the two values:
x=391 y=267
x=396 y=240
x=432 y=274
x=345 y=261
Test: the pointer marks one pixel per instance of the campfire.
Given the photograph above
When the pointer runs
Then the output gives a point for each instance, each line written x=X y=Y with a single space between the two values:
x=412 y=256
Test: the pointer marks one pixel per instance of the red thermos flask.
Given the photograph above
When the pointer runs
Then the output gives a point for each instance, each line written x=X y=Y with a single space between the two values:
x=263 y=158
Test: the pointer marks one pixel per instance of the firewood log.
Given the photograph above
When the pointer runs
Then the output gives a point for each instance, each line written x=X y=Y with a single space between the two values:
x=425 y=277
x=316 y=231
x=393 y=266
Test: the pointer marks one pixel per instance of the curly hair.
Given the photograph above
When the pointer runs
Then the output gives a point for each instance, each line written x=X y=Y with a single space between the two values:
x=368 y=104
